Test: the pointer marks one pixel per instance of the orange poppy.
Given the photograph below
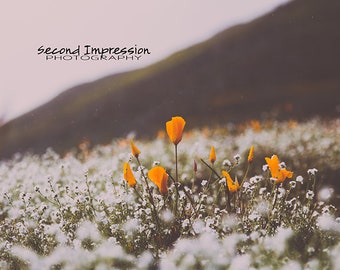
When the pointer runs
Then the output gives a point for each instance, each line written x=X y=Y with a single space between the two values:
x=174 y=128
x=251 y=154
x=134 y=150
x=159 y=176
x=232 y=186
x=276 y=172
x=128 y=175
x=212 y=156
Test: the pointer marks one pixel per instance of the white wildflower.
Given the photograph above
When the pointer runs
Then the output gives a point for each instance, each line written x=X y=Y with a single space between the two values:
x=299 y=179
x=226 y=163
x=156 y=163
x=185 y=223
x=262 y=190
x=145 y=260
x=204 y=183
x=291 y=265
x=88 y=230
x=240 y=262
x=222 y=181
x=131 y=225
x=263 y=208
x=273 y=179
x=312 y=171
x=167 y=215
x=327 y=222
x=198 y=226
x=309 y=195
x=325 y=194
x=237 y=158
x=278 y=242
x=292 y=184
x=229 y=221
x=254 y=235
x=282 y=165
x=281 y=192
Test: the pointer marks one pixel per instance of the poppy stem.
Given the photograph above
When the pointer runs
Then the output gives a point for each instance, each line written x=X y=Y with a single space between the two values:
x=176 y=160
x=212 y=169
x=274 y=193
x=138 y=194
x=90 y=194
x=186 y=194
x=219 y=178
x=144 y=177
x=242 y=182
x=275 y=196
x=208 y=184
x=155 y=215
x=177 y=192
x=245 y=175
x=176 y=179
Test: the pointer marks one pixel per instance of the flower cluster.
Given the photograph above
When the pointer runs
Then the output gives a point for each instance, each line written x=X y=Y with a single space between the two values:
x=175 y=205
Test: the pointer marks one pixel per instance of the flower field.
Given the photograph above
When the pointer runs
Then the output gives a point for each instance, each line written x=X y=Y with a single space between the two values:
x=252 y=196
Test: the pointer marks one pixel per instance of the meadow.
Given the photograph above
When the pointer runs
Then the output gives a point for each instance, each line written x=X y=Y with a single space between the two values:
x=261 y=195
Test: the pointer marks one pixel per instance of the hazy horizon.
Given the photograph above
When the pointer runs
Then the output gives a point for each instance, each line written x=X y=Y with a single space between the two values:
x=30 y=80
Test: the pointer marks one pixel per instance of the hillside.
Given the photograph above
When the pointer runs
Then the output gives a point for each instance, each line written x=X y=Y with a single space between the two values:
x=282 y=65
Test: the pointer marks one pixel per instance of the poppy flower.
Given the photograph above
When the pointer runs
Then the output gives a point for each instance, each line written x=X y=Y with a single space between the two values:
x=212 y=156
x=128 y=175
x=232 y=186
x=280 y=174
x=159 y=176
x=251 y=154
x=134 y=150
x=174 y=128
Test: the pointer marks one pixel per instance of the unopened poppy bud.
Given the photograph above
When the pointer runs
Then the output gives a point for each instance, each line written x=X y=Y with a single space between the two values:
x=134 y=150
x=212 y=156
x=251 y=154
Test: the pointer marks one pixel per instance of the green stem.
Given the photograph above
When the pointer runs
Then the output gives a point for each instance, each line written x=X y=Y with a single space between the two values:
x=270 y=215
x=176 y=180
x=186 y=194
x=143 y=175
x=155 y=216
x=245 y=175
x=275 y=195
x=219 y=178
x=208 y=184
x=176 y=158
x=138 y=194
x=242 y=182
x=90 y=194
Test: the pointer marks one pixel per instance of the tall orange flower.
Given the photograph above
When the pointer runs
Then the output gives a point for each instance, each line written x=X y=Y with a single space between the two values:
x=280 y=174
x=251 y=154
x=134 y=150
x=128 y=175
x=212 y=156
x=159 y=176
x=174 y=128
x=232 y=186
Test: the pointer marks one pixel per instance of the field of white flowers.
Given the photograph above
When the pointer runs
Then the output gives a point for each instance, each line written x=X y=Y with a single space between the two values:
x=226 y=207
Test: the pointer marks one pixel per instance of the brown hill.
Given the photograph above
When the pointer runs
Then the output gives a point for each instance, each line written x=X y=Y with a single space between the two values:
x=284 y=65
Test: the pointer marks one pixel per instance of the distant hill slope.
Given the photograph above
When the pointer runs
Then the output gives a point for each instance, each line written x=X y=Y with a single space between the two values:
x=285 y=63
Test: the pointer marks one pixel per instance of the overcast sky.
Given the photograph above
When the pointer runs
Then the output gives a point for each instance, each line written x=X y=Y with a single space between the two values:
x=164 y=27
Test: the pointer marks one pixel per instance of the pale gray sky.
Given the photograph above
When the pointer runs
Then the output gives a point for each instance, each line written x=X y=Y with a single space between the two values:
x=28 y=79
